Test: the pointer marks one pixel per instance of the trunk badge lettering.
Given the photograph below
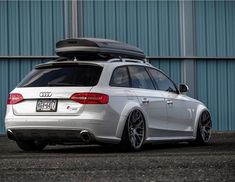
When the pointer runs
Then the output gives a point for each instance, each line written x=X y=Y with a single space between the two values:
x=45 y=94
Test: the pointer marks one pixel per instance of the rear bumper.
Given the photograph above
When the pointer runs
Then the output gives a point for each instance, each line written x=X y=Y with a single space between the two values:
x=55 y=136
x=44 y=135
x=63 y=129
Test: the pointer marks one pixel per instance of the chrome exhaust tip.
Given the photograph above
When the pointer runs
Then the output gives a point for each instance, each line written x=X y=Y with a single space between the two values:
x=10 y=135
x=86 y=136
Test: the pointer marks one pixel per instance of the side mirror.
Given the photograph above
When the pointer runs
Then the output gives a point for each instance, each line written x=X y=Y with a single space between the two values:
x=183 y=87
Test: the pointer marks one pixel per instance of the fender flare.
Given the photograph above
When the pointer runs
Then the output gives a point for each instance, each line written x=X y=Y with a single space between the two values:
x=200 y=110
x=131 y=106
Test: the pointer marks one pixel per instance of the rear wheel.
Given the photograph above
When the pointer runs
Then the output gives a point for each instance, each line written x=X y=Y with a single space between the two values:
x=204 y=129
x=134 y=131
x=31 y=145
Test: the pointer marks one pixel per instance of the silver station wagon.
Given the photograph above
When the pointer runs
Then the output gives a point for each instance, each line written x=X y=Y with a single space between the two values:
x=102 y=91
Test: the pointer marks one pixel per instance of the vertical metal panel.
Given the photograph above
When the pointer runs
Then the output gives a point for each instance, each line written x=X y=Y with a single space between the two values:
x=3 y=28
x=24 y=27
x=230 y=27
x=173 y=14
x=3 y=91
x=120 y=20
x=210 y=28
x=220 y=28
x=58 y=21
x=13 y=27
x=214 y=28
x=175 y=71
x=200 y=30
x=99 y=13
x=88 y=19
x=212 y=87
x=36 y=28
x=150 y=25
x=231 y=95
x=110 y=31
x=142 y=25
x=201 y=80
x=153 y=27
x=131 y=22
x=47 y=28
x=222 y=95
x=164 y=28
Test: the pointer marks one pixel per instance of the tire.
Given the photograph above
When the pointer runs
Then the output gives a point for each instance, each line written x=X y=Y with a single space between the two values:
x=134 y=132
x=31 y=145
x=204 y=129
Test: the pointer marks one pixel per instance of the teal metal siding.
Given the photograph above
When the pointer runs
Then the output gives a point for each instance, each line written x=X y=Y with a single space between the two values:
x=216 y=87
x=30 y=27
x=151 y=25
x=215 y=79
x=214 y=28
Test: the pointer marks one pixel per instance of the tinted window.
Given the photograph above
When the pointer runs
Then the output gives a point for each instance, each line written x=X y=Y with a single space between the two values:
x=82 y=75
x=140 y=78
x=162 y=81
x=120 y=77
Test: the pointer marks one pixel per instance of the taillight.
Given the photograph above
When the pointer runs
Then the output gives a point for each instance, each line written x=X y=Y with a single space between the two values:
x=14 y=98
x=90 y=98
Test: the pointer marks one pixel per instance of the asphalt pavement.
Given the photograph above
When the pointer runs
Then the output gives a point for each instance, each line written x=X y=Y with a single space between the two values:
x=158 y=162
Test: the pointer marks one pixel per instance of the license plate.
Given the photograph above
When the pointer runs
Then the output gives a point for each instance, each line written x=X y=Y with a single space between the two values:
x=44 y=105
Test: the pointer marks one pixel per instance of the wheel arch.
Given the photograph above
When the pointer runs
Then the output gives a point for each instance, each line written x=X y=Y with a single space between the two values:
x=200 y=109
x=125 y=113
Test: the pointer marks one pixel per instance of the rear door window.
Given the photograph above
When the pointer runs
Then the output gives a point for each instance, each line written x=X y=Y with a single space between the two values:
x=140 y=78
x=120 y=77
x=71 y=75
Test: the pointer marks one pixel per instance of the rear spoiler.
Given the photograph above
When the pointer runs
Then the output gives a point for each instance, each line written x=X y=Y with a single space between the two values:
x=96 y=49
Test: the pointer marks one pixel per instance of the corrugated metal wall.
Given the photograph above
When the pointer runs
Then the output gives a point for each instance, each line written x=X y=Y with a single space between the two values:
x=215 y=80
x=151 y=25
x=31 y=28
x=216 y=88
x=27 y=28
x=215 y=28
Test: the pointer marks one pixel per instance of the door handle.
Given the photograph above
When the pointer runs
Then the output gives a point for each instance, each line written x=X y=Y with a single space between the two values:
x=145 y=101
x=169 y=102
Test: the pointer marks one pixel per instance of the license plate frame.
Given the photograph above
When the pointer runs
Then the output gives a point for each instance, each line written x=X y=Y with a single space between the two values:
x=46 y=105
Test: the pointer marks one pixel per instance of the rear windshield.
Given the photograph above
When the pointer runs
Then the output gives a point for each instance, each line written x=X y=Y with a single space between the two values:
x=82 y=75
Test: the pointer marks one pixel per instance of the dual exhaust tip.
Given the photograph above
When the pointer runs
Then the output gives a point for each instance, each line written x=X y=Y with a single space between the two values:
x=86 y=137
x=10 y=135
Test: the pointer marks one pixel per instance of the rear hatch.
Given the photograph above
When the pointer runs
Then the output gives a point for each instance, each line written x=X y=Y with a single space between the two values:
x=52 y=89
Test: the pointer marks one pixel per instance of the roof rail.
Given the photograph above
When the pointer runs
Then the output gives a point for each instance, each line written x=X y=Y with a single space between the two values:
x=127 y=60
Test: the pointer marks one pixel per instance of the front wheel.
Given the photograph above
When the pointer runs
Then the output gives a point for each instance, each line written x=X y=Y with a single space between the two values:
x=204 y=129
x=31 y=145
x=134 y=131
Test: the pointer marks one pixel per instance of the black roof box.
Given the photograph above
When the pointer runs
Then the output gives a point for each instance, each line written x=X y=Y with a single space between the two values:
x=93 y=48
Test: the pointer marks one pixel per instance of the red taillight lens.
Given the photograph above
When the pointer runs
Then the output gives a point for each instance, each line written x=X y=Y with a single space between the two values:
x=14 y=98
x=90 y=98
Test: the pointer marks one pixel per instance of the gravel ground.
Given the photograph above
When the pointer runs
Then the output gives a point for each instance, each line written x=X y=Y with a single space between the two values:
x=159 y=162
